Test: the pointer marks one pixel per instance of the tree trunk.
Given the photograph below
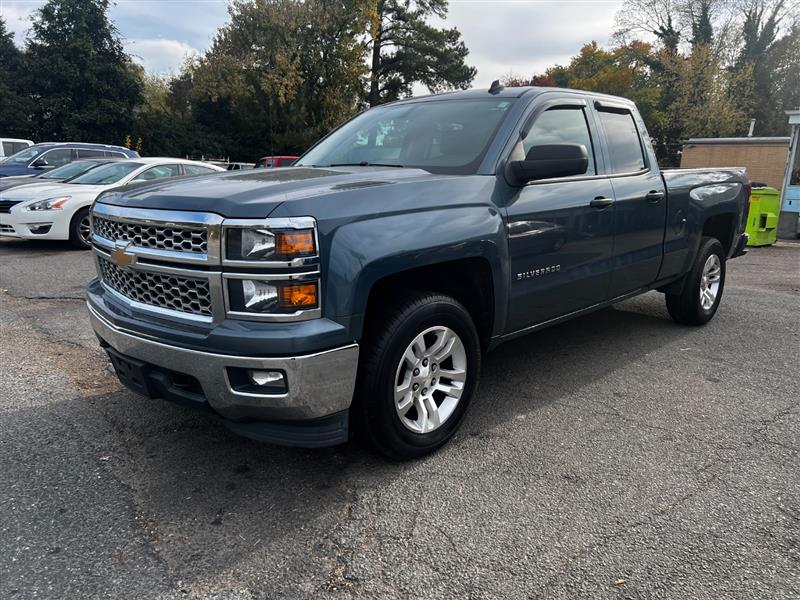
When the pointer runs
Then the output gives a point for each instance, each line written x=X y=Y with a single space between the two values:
x=374 y=81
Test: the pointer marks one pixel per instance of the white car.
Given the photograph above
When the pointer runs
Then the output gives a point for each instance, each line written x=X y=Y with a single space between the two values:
x=9 y=146
x=60 y=211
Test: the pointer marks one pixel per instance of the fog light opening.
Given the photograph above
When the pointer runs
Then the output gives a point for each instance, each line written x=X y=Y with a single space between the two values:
x=265 y=382
x=267 y=378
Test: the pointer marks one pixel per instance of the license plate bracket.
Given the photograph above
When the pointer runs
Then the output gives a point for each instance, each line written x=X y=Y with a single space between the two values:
x=132 y=373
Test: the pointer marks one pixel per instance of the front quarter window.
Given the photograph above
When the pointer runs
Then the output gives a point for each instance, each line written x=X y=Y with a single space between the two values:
x=441 y=136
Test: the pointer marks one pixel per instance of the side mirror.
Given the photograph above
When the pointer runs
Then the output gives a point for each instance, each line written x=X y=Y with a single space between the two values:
x=39 y=163
x=547 y=162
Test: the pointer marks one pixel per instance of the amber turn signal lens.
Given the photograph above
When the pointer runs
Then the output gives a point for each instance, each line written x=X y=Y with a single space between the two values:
x=294 y=243
x=298 y=296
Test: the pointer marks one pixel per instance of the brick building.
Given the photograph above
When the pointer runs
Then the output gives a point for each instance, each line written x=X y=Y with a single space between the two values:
x=764 y=157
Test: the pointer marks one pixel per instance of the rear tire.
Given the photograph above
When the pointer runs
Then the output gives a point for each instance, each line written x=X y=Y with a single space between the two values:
x=419 y=370
x=80 y=231
x=702 y=289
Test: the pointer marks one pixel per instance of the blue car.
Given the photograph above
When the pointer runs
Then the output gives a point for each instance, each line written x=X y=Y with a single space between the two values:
x=48 y=155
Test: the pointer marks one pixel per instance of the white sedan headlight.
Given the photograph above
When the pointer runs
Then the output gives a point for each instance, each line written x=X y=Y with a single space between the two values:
x=48 y=204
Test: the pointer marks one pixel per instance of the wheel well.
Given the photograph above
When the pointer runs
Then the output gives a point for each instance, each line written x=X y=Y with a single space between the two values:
x=721 y=227
x=468 y=280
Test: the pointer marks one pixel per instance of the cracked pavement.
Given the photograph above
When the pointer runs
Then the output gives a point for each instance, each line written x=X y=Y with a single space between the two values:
x=615 y=456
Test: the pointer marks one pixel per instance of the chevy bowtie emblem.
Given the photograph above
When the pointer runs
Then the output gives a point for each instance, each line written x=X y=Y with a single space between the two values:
x=121 y=256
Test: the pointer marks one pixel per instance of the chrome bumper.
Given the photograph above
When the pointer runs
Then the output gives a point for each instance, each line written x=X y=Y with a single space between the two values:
x=319 y=384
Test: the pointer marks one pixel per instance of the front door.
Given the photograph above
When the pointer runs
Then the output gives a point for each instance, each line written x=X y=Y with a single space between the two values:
x=560 y=230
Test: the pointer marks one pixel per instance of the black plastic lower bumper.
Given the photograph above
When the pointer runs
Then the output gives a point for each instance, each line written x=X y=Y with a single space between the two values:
x=741 y=246
x=156 y=382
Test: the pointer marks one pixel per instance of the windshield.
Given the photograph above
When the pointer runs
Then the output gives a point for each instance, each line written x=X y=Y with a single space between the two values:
x=69 y=170
x=25 y=156
x=440 y=136
x=107 y=174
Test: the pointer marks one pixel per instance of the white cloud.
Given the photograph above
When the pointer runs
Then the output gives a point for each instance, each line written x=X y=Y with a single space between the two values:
x=159 y=56
x=527 y=36
x=18 y=17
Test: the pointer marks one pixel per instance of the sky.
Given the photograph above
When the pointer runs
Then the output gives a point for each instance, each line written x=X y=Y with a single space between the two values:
x=519 y=36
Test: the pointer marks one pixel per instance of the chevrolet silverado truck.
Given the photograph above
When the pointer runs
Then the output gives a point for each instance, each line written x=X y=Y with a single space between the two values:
x=357 y=291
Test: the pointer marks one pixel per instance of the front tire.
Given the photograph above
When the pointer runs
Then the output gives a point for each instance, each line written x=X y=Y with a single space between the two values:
x=80 y=231
x=701 y=292
x=418 y=374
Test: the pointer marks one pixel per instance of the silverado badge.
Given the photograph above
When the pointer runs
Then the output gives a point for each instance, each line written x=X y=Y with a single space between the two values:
x=538 y=272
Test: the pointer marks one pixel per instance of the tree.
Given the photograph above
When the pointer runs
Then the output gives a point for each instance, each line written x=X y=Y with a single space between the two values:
x=405 y=50
x=760 y=28
x=15 y=105
x=279 y=75
x=782 y=62
x=84 y=85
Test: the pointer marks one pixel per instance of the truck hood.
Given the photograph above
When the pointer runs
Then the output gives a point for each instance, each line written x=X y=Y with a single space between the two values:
x=255 y=194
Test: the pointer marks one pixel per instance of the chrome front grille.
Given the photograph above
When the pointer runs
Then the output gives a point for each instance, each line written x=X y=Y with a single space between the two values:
x=171 y=292
x=157 y=237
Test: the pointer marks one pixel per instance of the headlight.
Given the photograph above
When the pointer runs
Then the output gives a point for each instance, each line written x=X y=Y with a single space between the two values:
x=273 y=297
x=49 y=204
x=262 y=244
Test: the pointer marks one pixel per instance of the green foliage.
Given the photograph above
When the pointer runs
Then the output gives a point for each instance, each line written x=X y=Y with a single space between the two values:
x=84 y=84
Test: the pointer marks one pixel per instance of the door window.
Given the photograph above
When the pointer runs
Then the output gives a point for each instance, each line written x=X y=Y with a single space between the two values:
x=58 y=157
x=624 y=143
x=562 y=125
x=159 y=172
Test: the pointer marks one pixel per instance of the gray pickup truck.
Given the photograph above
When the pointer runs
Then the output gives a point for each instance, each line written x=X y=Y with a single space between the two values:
x=357 y=291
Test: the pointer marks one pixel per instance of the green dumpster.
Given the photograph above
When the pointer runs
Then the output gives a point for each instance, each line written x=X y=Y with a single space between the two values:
x=762 y=222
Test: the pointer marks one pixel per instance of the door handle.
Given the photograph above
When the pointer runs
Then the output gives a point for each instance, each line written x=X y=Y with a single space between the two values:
x=654 y=197
x=601 y=202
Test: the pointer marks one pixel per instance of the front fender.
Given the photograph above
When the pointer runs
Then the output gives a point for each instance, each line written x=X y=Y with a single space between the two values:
x=363 y=252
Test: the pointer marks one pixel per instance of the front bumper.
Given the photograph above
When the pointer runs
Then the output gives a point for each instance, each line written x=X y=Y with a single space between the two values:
x=37 y=225
x=319 y=385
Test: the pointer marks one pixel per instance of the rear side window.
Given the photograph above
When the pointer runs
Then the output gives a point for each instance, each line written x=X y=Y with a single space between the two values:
x=10 y=148
x=112 y=154
x=565 y=125
x=198 y=170
x=624 y=143
x=89 y=153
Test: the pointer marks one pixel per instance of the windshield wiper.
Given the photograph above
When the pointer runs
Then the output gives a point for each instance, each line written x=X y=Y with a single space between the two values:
x=364 y=163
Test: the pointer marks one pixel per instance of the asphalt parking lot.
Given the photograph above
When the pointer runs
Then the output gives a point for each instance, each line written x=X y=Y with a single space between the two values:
x=615 y=456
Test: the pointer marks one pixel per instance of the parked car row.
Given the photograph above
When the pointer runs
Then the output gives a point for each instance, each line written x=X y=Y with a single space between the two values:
x=55 y=204
x=34 y=159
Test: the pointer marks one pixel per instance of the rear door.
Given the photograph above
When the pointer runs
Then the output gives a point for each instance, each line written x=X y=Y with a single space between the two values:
x=640 y=208
x=560 y=230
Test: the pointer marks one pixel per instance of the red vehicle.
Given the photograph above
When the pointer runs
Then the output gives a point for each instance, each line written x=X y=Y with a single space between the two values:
x=269 y=162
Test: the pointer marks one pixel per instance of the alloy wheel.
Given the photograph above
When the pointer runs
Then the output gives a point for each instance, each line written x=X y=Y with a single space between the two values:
x=709 y=281
x=430 y=379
